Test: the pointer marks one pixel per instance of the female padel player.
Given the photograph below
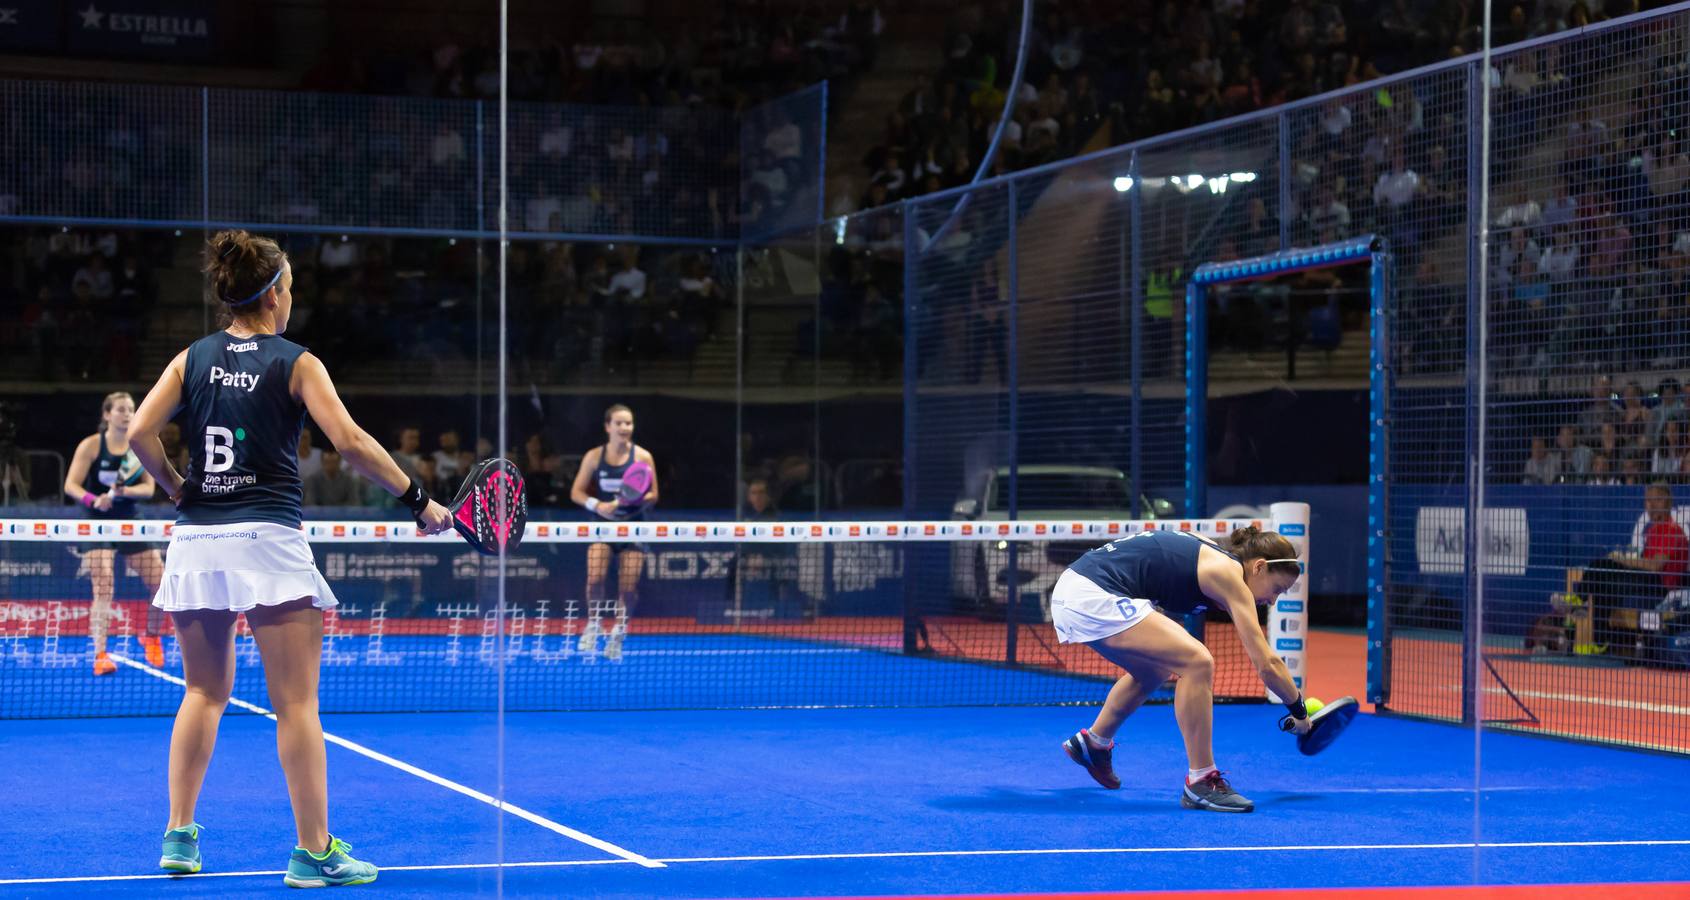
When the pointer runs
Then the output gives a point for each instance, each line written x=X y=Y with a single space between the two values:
x=107 y=479
x=237 y=545
x=1104 y=601
x=598 y=489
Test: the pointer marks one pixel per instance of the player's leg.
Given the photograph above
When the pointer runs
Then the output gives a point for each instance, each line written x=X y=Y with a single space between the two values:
x=1161 y=644
x=100 y=573
x=150 y=566
x=1137 y=682
x=290 y=641
x=598 y=569
x=627 y=595
x=1093 y=748
x=1158 y=643
x=207 y=639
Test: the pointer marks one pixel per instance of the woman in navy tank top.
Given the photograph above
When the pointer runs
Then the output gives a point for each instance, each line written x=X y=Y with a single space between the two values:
x=597 y=488
x=107 y=479
x=237 y=546
x=1119 y=599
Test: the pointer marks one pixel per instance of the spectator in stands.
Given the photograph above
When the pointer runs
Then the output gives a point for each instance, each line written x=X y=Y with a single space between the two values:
x=1669 y=410
x=1542 y=467
x=451 y=461
x=1601 y=471
x=795 y=485
x=310 y=458
x=1638 y=578
x=410 y=443
x=95 y=277
x=759 y=503
x=428 y=475
x=630 y=280
x=539 y=466
x=1633 y=417
x=332 y=484
x=1573 y=456
x=1599 y=410
x=1668 y=455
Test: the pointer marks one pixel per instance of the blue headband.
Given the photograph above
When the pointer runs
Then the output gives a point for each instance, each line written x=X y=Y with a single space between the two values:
x=261 y=291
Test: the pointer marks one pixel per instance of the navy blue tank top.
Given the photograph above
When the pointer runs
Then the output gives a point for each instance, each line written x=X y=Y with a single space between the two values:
x=108 y=471
x=242 y=430
x=608 y=478
x=1160 y=566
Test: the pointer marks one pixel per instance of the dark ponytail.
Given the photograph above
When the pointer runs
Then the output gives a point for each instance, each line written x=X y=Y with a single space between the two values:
x=241 y=267
x=1253 y=543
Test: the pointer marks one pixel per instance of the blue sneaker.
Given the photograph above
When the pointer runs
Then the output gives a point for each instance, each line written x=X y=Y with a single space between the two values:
x=332 y=869
x=181 y=850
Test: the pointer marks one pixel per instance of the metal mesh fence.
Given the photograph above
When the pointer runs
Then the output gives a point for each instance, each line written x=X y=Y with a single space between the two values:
x=162 y=156
x=782 y=157
x=1586 y=623
x=83 y=150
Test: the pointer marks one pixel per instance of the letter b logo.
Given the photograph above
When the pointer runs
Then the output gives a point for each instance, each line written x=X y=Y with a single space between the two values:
x=219 y=449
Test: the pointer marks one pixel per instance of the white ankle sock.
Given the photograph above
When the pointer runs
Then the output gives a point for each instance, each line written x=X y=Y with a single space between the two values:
x=1192 y=776
x=1097 y=742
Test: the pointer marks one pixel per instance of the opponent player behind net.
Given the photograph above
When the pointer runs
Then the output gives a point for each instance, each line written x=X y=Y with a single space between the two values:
x=107 y=479
x=1104 y=601
x=617 y=481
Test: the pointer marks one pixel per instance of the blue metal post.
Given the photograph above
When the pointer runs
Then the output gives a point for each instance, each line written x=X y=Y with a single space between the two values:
x=911 y=599
x=1013 y=384
x=911 y=368
x=1378 y=408
x=1135 y=327
x=1196 y=399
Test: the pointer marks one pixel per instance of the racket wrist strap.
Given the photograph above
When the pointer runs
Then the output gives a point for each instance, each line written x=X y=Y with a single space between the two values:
x=1297 y=708
x=415 y=499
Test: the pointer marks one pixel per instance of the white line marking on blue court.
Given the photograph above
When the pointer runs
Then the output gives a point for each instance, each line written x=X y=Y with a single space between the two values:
x=425 y=775
x=908 y=854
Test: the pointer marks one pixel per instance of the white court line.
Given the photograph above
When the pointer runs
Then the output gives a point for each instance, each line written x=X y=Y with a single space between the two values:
x=910 y=854
x=425 y=775
x=1606 y=702
x=550 y=864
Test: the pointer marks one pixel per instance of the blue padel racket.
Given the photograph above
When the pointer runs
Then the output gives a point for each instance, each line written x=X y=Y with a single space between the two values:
x=1324 y=726
x=491 y=509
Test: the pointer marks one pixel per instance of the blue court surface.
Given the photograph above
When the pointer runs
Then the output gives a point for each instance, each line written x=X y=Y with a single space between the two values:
x=820 y=802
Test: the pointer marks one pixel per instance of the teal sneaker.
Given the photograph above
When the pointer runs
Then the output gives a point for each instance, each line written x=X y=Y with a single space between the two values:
x=332 y=869
x=181 y=850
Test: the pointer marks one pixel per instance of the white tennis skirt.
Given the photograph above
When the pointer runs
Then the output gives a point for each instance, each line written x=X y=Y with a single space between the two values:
x=1083 y=612
x=237 y=567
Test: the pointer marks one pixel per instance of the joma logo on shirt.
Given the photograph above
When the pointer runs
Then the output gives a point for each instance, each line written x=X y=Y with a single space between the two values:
x=242 y=348
x=225 y=378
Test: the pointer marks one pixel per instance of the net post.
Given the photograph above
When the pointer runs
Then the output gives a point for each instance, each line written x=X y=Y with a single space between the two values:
x=1379 y=389
x=1288 y=619
x=1196 y=398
